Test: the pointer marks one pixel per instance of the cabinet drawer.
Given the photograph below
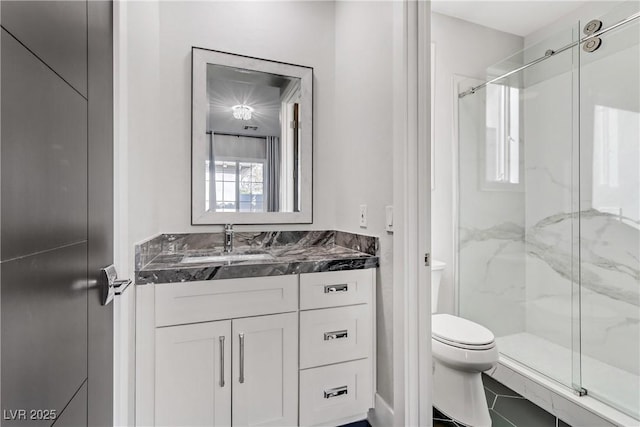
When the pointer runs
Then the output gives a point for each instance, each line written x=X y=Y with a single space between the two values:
x=334 y=392
x=335 y=288
x=191 y=302
x=334 y=335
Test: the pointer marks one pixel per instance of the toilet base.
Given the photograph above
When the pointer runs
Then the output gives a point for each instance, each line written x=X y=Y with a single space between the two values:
x=460 y=395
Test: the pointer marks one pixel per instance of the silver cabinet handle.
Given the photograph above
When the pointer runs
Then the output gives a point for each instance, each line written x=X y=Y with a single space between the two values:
x=329 y=289
x=336 y=335
x=222 y=361
x=241 y=379
x=335 y=392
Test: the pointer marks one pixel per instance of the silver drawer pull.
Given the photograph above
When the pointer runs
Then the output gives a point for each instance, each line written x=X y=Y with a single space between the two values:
x=335 y=392
x=329 y=289
x=335 y=335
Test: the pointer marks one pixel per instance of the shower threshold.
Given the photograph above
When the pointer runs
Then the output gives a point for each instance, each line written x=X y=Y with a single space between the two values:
x=521 y=349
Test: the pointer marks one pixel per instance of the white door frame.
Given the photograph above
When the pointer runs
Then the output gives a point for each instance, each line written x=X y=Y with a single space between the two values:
x=124 y=306
x=412 y=205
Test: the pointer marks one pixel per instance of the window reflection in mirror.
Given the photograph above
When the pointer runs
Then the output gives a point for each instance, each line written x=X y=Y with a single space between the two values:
x=252 y=153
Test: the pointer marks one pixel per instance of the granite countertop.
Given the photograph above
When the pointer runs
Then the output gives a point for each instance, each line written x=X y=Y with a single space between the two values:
x=171 y=258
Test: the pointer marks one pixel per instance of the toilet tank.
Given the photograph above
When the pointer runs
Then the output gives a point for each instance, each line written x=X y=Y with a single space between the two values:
x=436 y=274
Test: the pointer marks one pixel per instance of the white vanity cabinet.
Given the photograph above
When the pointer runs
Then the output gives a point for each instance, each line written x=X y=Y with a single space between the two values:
x=264 y=351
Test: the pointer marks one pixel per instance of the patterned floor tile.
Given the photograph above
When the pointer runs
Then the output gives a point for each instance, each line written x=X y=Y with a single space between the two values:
x=497 y=387
x=523 y=413
x=491 y=397
x=498 y=420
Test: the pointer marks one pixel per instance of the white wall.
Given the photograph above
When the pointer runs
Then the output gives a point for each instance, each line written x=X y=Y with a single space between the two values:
x=592 y=9
x=363 y=161
x=138 y=128
x=464 y=49
x=294 y=32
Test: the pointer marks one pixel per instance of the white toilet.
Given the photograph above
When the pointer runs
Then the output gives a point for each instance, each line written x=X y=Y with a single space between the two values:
x=462 y=350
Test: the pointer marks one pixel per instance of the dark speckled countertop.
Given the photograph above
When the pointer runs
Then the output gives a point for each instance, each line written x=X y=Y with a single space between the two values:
x=161 y=259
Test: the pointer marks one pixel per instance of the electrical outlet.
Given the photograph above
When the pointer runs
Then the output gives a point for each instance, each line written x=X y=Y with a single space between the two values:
x=363 y=216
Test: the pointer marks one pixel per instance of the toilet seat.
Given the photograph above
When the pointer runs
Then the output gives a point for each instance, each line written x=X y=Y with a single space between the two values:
x=465 y=346
x=461 y=333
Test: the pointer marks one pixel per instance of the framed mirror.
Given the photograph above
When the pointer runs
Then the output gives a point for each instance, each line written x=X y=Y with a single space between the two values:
x=251 y=140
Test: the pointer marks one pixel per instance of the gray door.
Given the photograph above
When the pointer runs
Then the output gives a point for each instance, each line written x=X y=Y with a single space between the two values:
x=56 y=212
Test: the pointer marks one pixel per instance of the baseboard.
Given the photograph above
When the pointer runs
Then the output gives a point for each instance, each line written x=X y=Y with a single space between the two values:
x=382 y=414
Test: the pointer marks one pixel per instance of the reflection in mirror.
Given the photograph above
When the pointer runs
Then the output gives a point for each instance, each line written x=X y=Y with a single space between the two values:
x=253 y=157
x=251 y=140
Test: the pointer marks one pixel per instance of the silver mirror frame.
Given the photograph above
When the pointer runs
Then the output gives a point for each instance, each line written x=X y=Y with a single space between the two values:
x=199 y=216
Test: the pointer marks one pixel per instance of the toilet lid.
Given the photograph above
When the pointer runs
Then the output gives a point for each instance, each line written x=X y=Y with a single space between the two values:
x=448 y=328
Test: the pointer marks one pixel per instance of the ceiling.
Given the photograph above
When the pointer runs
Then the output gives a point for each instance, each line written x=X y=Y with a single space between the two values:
x=516 y=17
x=228 y=86
x=265 y=101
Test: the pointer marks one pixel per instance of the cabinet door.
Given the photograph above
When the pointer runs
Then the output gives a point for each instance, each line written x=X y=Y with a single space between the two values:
x=265 y=370
x=193 y=373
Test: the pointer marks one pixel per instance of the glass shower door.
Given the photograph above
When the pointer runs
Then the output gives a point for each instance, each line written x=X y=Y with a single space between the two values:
x=518 y=205
x=549 y=209
x=610 y=214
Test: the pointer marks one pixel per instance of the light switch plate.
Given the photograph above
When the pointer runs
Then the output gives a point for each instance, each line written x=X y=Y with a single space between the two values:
x=388 y=215
x=363 y=216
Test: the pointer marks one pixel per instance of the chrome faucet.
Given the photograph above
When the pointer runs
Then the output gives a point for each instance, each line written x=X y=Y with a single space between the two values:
x=228 y=238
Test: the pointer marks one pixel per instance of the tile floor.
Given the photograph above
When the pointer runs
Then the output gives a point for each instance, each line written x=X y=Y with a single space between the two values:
x=507 y=409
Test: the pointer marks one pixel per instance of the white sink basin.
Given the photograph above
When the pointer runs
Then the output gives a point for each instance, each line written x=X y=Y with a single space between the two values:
x=225 y=258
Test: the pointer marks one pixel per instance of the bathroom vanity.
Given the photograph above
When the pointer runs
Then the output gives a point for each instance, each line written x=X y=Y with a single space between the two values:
x=254 y=328
x=280 y=332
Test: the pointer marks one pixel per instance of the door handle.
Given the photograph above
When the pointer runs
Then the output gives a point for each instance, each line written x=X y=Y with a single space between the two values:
x=110 y=285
